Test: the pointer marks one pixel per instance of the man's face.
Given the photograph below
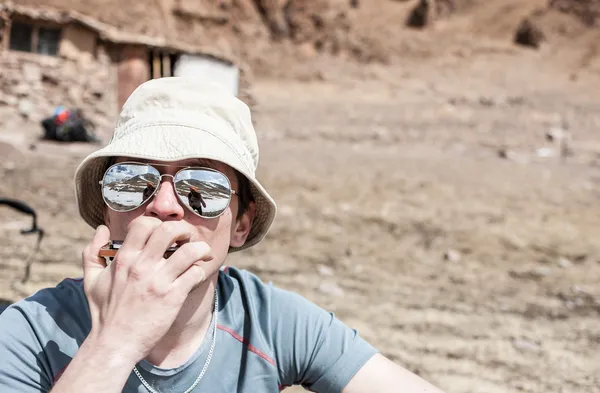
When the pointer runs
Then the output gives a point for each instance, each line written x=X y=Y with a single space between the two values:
x=219 y=233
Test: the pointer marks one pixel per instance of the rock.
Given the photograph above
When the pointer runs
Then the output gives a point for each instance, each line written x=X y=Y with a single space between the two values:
x=515 y=100
x=564 y=263
x=529 y=34
x=50 y=79
x=420 y=16
x=542 y=272
x=31 y=73
x=452 y=256
x=532 y=273
x=75 y=95
x=580 y=290
x=25 y=108
x=325 y=270
x=317 y=21
x=8 y=100
x=277 y=18
x=545 y=152
x=307 y=50
x=329 y=288
x=486 y=101
x=526 y=345
x=21 y=90
x=511 y=156
x=556 y=134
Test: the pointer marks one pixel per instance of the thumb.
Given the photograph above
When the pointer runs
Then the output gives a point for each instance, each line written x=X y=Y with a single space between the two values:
x=93 y=264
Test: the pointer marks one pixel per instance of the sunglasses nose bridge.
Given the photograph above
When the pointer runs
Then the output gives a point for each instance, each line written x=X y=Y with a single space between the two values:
x=167 y=175
x=160 y=181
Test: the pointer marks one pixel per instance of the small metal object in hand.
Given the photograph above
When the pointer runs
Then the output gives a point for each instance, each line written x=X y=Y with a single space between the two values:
x=109 y=250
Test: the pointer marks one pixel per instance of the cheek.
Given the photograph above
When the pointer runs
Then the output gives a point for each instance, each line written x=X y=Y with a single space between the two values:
x=117 y=223
x=216 y=232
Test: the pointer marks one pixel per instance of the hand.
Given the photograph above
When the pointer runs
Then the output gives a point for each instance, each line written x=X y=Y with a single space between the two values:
x=134 y=301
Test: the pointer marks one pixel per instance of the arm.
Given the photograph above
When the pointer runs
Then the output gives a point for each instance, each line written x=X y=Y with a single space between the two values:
x=318 y=351
x=125 y=297
x=381 y=375
x=29 y=364
x=97 y=367
x=312 y=347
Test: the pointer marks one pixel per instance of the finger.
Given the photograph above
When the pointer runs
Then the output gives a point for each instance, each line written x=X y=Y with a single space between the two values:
x=165 y=235
x=93 y=265
x=138 y=233
x=186 y=256
x=190 y=279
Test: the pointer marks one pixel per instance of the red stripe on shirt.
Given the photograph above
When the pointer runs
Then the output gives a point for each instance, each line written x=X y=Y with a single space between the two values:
x=245 y=342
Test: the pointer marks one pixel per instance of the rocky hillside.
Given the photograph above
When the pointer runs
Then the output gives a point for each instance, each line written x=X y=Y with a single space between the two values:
x=268 y=33
x=586 y=10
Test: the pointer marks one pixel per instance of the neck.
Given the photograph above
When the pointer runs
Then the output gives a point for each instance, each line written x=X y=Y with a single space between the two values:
x=189 y=329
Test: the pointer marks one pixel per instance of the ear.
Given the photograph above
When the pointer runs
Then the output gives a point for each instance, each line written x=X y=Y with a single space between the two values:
x=241 y=228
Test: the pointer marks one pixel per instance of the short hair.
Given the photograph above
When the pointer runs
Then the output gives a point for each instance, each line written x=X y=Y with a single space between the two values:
x=244 y=194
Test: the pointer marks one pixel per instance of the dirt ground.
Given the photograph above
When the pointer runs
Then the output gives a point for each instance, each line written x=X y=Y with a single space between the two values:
x=419 y=201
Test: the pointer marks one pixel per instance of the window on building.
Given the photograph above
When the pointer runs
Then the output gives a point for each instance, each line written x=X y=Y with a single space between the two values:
x=30 y=38
x=161 y=64
x=48 y=40
x=21 y=36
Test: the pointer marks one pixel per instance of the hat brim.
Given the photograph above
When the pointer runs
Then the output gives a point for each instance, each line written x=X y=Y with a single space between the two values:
x=168 y=142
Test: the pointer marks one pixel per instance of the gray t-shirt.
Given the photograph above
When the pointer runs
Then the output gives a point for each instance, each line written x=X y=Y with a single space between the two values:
x=267 y=339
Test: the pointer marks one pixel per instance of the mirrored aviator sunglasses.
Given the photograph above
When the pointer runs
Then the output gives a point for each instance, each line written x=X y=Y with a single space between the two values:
x=128 y=185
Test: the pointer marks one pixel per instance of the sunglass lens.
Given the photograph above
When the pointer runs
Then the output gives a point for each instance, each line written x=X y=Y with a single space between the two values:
x=127 y=186
x=205 y=192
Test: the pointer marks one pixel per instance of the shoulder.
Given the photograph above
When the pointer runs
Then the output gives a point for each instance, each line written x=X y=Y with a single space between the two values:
x=61 y=310
x=277 y=313
x=40 y=334
x=245 y=289
x=66 y=296
x=308 y=344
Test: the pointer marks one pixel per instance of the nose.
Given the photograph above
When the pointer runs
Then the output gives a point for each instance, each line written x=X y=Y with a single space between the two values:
x=165 y=205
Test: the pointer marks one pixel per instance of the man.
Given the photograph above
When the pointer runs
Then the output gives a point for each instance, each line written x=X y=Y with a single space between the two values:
x=195 y=200
x=146 y=323
x=148 y=191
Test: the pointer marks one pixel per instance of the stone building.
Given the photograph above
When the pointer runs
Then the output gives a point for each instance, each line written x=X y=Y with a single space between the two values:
x=50 y=57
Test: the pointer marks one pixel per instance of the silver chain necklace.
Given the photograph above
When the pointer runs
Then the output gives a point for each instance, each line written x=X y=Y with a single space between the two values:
x=210 y=354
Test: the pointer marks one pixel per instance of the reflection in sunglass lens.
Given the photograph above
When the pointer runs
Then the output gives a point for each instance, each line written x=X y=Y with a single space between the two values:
x=127 y=186
x=204 y=191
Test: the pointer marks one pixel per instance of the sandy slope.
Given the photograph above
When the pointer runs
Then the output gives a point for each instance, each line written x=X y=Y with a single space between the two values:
x=380 y=171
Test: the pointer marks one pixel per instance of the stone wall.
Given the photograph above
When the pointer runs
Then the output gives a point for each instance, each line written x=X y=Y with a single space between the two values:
x=32 y=85
x=77 y=41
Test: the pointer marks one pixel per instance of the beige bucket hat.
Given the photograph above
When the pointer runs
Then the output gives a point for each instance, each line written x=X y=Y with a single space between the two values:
x=177 y=118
